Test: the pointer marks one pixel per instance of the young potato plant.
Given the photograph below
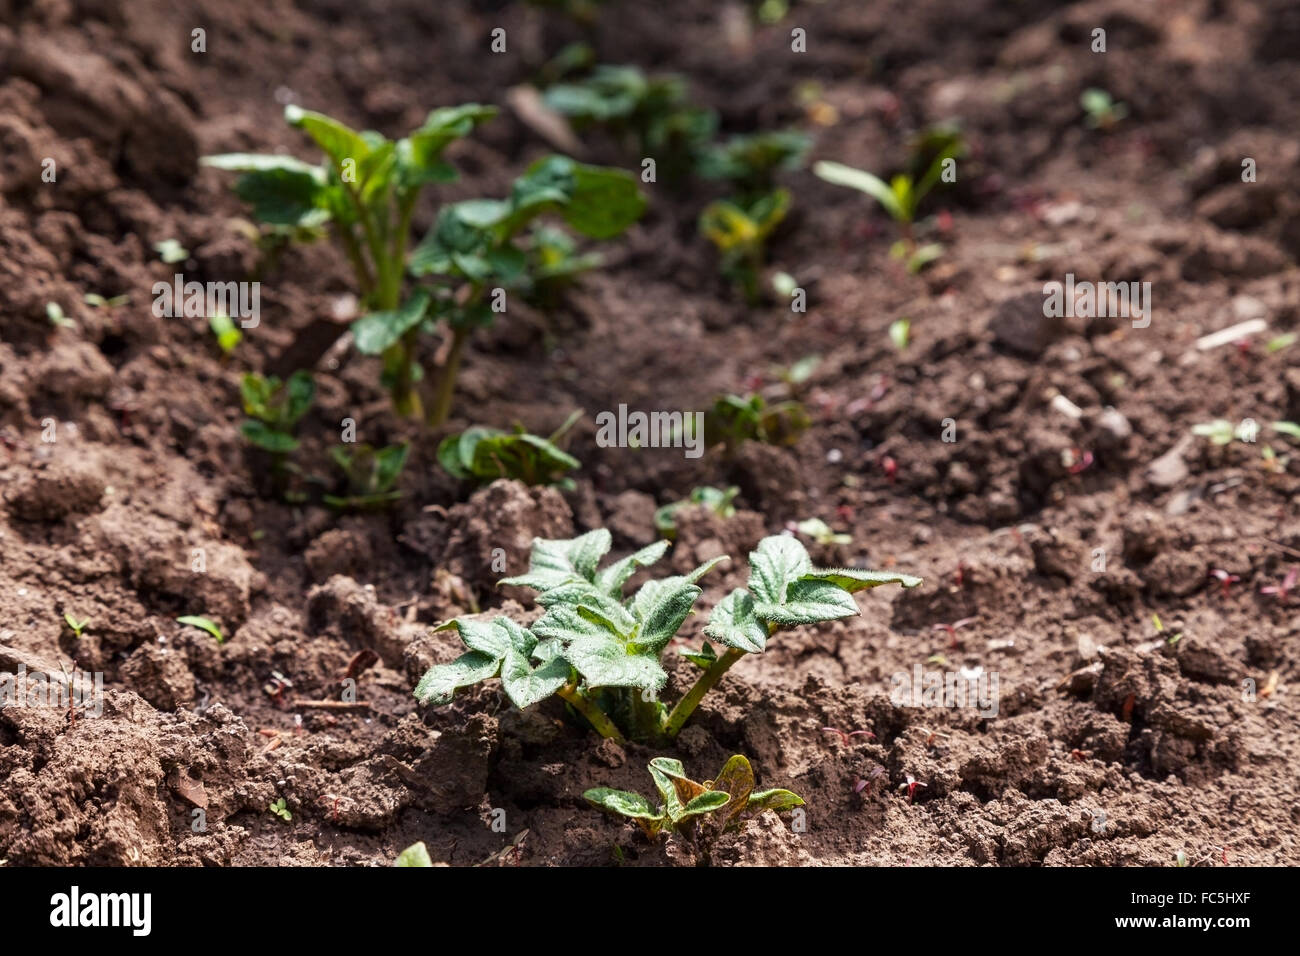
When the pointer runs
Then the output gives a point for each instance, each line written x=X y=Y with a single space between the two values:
x=652 y=112
x=273 y=408
x=366 y=190
x=734 y=420
x=554 y=264
x=483 y=455
x=717 y=500
x=714 y=806
x=600 y=650
x=751 y=162
x=370 y=474
x=740 y=231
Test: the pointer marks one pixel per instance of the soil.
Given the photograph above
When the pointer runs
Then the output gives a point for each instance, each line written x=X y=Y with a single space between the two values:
x=1112 y=745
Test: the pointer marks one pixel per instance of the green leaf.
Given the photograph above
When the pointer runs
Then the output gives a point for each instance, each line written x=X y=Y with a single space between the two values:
x=734 y=623
x=855 y=579
x=558 y=561
x=704 y=658
x=171 y=251
x=666 y=771
x=873 y=186
x=1290 y=429
x=227 y=333
x=299 y=392
x=604 y=662
x=612 y=578
x=605 y=201
x=526 y=685
x=268 y=438
x=491 y=638
x=706 y=802
x=417 y=854
x=376 y=331
x=262 y=162
x=622 y=803
x=774 y=800
x=338 y=141
x=388 y=466
x=779 y=561
x=203 y=624
x=661 y=613
x=808 y=602
x=440 y=682
x=736 y=779
x=280 y=197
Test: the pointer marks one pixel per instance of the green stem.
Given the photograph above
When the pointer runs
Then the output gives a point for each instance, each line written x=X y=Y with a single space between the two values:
x=686 y=706
x=593 y=714
x=447 y=380
x=406 y=400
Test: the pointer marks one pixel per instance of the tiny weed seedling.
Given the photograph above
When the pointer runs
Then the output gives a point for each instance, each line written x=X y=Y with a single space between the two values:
x=734 y=420
x=599 y=650
x=370 y=476
x=911 y=786
x=56 y=316
x=952 y=629
x=1290 y=429
x=485 y=454
x=367 y=189
x=1280 y=342
x=77 y=626
x=171 y=251
x=717 y=500
x=900 y=333
x=228 y=334
x=203 y=624
x=725 y=803
x=97 y=301
x=1220 y=431
x=281 y=810
x=1159 y=625
x=740 y=231
x=846 y=736
x=1100 y=109
x=1283 y=590
x=820 y=532
x=1226 y=581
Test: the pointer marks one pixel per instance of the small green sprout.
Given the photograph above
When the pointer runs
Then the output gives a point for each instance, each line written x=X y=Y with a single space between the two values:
x=171 y=251
x=370 y=476
x=901 y=196
x=228 y=334
x=1280 y=342
x=740 y=233
x=1159 y=625
x=734 y=420
x=798 y=374
x=689 y=807
x=484 y=454
x=97 y=301
x=203 y=624
x=1290 y=429
x=77 y=626
x=417 y=854
x=1102 y=112
x=717 y=500
x=599 y=650
x=274 y=408
x=281 y=810
x=821 y=532
x=900 y=333
x=54 y=312
x=1221 y=431
x=1180 y=858
x=553 y=265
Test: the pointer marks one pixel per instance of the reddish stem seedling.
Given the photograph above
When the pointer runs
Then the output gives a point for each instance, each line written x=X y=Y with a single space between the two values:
x=1080 y=755
x=1283 y=591
x=1078 y=460
x=959 y=576
x=1226 y=580
x=890 y=468
x=911 y=787
x=862 y=786
x=848 y=735
x=952 y=629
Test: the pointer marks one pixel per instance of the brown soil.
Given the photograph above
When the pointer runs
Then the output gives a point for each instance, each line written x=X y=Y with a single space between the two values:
x=148 y=463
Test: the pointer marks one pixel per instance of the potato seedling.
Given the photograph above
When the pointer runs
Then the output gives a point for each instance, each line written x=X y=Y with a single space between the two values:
x=203 y=624
x=740 y=231
x=1100 y=109
x=554 y=264
x=367 y=189
x=370 y=476
x=688 y=805
x=717 y=500
x=281 y=810
x=77 y=626
x=734 y=420
x=417 y=854
x=651 y=112
x=600 y=650
x=273 y=408
x=751 y=162
x=483 y=455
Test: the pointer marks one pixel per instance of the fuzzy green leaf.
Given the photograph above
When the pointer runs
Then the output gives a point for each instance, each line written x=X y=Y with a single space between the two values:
x=808 y=602
x=612 y=578
x=417 y=854
x=854 y=579
x=525 y=684
x=661 y=614
x=706 y=802
x=736 y=779
x=779 y=561
x=704 y=658
x=267 y=438
x=605 y=662
x=339 y=142
x=440 y=682
x=487 y=637
x=558 y=561
x=623 y=804
x=734 y=623
x=774 y=800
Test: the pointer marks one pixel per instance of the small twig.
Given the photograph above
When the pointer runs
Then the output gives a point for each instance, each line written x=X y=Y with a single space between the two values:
x=332 y=705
